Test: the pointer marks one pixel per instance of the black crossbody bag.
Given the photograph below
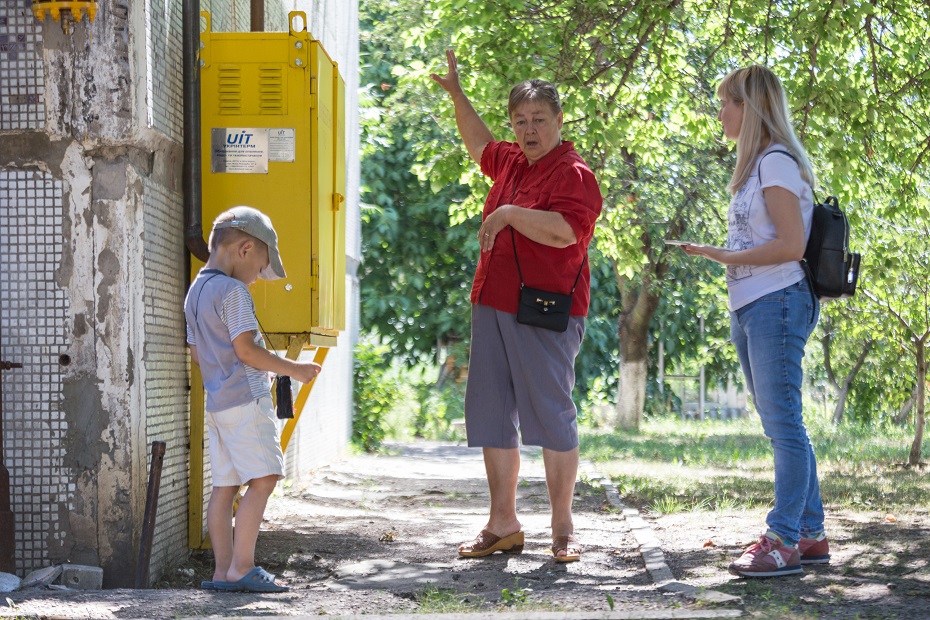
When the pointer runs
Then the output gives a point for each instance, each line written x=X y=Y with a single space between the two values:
x=541 y=308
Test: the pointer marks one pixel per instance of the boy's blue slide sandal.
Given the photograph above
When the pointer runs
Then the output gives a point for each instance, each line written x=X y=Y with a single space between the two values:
x=207 y=585
x=258 y=580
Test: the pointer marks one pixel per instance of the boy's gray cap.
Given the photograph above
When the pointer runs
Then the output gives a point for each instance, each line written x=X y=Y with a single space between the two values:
x=254 y=222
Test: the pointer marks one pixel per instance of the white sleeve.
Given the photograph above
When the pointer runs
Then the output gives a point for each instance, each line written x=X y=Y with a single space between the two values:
x=779 y=170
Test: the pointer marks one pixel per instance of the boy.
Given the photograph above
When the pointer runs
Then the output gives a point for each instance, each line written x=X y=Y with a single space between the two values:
x=226 y=343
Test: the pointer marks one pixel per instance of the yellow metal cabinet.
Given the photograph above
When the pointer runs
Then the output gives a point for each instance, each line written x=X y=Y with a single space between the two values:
x=273 y=127
x=273 y=137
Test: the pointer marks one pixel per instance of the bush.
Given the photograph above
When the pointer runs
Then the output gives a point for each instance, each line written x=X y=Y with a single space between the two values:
x=435 y=408
x=374 y=396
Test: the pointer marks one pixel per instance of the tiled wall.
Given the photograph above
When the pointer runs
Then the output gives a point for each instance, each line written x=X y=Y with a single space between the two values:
x=236 y=16
x=33 y=313
x=164 y=71
x=166 y=368
x=33 y=308
x=22 y=99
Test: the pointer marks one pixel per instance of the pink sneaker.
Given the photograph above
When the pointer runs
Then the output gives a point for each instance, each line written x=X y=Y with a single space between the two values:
x=767 y=558
x=814 y=550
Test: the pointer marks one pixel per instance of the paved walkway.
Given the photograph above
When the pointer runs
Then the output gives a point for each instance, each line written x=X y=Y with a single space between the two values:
x=376 y=534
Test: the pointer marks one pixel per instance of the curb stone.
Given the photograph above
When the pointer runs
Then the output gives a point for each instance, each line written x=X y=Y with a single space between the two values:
x=651 y=550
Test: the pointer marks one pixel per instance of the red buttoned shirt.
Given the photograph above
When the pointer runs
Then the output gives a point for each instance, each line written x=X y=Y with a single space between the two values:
x=560 y=182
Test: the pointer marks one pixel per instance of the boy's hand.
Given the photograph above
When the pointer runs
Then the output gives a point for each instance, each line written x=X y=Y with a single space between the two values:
x=305 y=372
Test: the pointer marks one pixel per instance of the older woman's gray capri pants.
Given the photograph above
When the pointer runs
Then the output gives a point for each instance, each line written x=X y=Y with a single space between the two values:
x=521 y=377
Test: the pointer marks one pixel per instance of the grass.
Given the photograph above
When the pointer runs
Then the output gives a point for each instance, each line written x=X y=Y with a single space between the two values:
x=710 y=467
x=436 y=600
x=433 y=600
x=675 y=466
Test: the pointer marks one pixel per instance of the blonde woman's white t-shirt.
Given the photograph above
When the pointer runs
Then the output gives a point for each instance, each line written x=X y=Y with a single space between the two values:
x=749 y=226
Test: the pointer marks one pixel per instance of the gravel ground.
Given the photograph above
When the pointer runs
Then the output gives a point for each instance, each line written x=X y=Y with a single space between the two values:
x=378 y=534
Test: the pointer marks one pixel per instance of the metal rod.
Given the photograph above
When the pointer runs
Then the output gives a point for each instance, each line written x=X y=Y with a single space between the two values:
x=148 y=519
x=702 y=386
x=302 y=395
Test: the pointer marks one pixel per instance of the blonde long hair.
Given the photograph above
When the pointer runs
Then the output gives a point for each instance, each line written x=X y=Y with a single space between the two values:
x=766 y=120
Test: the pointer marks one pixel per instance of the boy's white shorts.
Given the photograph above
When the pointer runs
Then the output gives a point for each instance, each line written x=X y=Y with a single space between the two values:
x=244 y=444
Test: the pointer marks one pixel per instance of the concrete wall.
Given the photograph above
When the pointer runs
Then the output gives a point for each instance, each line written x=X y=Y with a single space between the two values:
x=92 y=277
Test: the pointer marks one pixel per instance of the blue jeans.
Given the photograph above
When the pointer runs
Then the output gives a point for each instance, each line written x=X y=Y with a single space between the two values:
x=770 y=334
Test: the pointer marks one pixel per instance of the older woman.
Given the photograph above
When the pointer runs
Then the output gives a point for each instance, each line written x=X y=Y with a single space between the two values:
x=537 y=223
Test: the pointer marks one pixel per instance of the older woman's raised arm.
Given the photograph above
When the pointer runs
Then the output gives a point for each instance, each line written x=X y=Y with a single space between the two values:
x=475 y=134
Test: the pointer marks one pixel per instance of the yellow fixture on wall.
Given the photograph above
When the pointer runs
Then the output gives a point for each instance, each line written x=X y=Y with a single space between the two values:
x=272 y=116
x=66 y=12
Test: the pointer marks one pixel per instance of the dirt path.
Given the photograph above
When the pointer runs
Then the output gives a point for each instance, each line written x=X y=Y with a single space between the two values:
x=880 y=569
x=377 y=535
x=373 y=534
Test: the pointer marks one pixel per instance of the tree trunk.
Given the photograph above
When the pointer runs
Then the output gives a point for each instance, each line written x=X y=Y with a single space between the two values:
x=840 y=404
x=905 y=413
x=635 y=315
x=842 y=389
x=632 y=394
x=638 y=302
x=914 y=457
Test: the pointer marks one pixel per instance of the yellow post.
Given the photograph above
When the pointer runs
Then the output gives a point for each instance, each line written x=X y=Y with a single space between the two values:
x=301 y=401
x=195 y=534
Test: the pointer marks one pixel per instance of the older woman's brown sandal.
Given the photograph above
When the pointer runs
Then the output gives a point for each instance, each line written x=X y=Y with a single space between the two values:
x=486 y=543
x=569 y=545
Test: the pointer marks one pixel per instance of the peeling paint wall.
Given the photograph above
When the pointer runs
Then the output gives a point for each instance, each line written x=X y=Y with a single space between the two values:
x=93 y=274
x=90 y=145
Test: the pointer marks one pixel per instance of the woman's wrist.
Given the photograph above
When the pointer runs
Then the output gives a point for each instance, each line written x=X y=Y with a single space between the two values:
x=458 y=96
x=506 y=213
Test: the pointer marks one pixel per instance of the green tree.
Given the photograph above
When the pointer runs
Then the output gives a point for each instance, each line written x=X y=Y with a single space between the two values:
x=901 y=290
x=373 y=396
x=418 y=259
x=417 y=264
x=638 y=81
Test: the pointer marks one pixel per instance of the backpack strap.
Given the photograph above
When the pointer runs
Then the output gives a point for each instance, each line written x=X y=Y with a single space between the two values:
x=783 y=152
x=804 y=266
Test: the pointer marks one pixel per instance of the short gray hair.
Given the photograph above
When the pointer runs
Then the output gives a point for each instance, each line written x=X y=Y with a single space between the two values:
x=534 y=90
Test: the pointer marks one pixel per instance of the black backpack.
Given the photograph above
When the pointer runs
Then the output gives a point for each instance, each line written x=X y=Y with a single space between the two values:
x=831 y=269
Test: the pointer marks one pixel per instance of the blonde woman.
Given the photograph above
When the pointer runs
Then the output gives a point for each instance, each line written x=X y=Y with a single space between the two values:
x=772 y=310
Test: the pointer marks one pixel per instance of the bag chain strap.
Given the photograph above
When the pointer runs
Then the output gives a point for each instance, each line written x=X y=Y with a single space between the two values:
x=513 y=243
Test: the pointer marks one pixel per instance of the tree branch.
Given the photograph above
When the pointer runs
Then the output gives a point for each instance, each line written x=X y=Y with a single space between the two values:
x=859 y=362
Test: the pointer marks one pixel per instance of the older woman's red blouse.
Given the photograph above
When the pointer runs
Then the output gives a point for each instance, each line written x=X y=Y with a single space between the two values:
x=560 y=182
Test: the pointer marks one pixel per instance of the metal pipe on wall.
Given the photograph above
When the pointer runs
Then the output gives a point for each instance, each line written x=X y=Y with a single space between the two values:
x=257 y=16
x=192 y=177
